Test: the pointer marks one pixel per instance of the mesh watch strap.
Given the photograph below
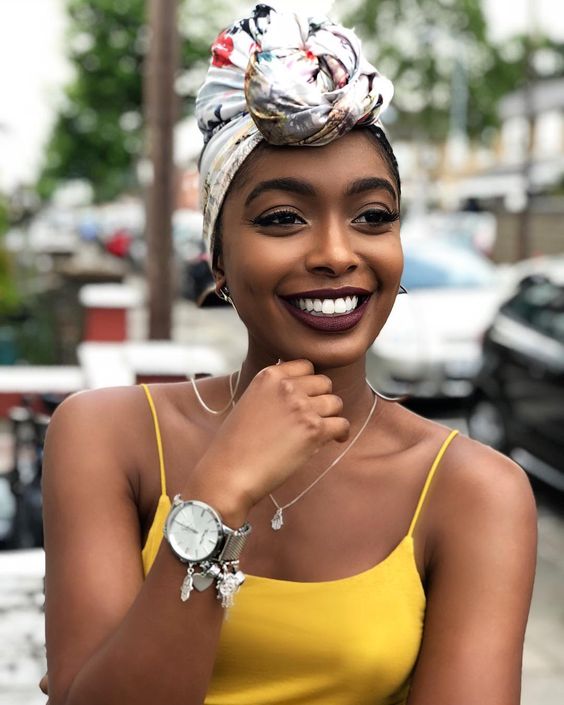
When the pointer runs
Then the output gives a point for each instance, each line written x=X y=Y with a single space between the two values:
x=234 y=544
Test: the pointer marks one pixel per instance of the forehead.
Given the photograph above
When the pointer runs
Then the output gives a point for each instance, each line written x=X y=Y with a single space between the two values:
x=350 y=158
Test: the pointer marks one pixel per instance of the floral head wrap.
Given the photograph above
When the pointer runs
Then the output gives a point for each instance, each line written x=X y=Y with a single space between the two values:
x=286 y=79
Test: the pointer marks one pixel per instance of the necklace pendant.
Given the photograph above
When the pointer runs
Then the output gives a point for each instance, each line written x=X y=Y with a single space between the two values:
x=277 y=520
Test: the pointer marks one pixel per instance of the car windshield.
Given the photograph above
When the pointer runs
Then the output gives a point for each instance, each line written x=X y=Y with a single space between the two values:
x=429 y=266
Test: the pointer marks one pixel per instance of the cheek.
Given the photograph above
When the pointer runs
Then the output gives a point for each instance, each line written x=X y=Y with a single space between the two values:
x=258 y=264
x=386 y=260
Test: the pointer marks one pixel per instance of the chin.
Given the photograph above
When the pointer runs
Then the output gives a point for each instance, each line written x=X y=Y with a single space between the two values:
x=329 y=354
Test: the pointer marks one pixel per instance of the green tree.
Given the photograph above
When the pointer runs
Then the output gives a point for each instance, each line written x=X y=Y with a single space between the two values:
x=9 y=295
x=421 y=44
x=98 y=135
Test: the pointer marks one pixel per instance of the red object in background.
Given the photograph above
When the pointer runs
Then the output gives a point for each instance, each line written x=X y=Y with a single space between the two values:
x=119 y=242
x=105 y=325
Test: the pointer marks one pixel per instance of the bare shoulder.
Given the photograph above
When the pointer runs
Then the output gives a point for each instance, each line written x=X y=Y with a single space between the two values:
x=478 y=484
x=106 y=421
x=471 y=476
x=476 y=492
x=106 y=405
x=119 y=419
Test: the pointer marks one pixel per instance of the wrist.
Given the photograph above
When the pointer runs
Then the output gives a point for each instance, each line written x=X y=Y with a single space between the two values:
x=231 y=508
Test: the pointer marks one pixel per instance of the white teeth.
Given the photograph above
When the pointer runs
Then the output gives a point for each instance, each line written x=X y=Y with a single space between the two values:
x=340 y=306
x=327 y=307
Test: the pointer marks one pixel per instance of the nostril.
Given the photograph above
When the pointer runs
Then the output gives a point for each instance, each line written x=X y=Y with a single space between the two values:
x=333 y=271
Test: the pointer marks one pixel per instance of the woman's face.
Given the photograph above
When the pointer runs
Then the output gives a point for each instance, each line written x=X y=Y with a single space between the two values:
x=313 y=227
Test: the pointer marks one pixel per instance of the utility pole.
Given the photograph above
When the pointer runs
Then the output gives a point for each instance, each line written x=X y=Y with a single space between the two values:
x=525 y=220
x=160 y=114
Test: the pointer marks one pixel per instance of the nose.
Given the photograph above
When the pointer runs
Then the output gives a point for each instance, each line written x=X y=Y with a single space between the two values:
x=331 y=252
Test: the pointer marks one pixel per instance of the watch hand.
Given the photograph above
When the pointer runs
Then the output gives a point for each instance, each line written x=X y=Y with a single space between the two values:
x=203 y=535
x=186 y=527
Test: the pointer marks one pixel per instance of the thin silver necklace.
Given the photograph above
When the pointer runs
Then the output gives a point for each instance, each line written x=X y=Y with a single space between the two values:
x=229 y=404
x=277 y=521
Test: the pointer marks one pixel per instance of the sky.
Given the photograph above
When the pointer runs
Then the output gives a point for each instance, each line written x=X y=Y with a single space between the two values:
x=33 y=69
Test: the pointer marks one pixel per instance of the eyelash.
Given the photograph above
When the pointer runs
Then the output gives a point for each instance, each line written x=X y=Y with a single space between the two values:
x=268 y=219
x=383 y=217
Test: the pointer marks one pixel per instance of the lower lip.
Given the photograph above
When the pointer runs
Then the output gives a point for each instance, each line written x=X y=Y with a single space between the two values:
x=331 y=324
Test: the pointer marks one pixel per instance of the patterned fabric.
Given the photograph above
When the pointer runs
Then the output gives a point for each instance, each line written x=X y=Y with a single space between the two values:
x=286 y=79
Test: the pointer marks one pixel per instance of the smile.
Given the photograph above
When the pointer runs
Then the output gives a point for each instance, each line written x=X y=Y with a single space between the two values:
x=328 y=310
x=327 y=307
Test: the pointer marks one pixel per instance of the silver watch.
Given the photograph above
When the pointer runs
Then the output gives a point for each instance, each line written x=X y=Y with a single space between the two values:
x=197 y=534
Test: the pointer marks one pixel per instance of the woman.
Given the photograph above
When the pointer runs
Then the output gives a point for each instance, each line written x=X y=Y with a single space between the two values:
x=389 y=561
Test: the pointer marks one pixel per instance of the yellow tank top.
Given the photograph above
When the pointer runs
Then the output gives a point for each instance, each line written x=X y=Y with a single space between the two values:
x=352 y=641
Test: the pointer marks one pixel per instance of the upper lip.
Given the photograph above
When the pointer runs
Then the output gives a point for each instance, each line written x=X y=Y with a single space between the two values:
x=328 y=293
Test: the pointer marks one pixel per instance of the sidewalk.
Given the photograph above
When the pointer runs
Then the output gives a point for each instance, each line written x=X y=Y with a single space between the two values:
x=22 y=650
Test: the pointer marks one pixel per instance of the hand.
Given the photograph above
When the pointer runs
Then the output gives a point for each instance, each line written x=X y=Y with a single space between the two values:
x=284 y=417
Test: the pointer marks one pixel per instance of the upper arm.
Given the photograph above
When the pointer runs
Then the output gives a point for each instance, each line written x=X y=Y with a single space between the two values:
x=480 y=584
x=92 y=536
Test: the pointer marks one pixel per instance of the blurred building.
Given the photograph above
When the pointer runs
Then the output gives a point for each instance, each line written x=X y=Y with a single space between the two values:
x=526 y=158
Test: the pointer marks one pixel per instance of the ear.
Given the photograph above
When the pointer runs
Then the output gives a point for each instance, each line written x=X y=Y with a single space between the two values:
x=219 y=273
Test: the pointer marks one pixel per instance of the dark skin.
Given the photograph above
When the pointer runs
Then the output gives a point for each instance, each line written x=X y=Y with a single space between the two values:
x=476 y=537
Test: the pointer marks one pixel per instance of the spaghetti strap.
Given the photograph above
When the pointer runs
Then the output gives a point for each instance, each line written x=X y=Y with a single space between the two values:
x=159 y=439
x=427 y=484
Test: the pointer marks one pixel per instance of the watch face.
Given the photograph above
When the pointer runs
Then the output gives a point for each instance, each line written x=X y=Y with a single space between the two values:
x=193 y=531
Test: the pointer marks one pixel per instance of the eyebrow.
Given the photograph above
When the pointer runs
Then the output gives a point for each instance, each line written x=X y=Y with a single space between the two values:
x=373 y=183
x=287 y=184
x=302 y=188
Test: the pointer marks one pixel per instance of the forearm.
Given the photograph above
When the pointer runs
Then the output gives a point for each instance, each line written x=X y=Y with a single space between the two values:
x=163 y=651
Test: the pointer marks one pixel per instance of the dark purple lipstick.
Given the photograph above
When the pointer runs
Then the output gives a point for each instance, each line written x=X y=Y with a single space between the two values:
x=332 y=323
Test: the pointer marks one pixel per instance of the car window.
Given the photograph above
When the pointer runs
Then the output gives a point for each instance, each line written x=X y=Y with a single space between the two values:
x=540 y=306
x=435 y=267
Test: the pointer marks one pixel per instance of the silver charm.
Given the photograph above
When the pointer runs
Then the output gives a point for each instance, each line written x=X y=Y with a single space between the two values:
x=227 y=587
x=187 y=584
x=277 y=520
x=202 y=581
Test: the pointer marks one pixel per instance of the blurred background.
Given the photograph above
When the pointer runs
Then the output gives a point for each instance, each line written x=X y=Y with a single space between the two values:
x=102 y=264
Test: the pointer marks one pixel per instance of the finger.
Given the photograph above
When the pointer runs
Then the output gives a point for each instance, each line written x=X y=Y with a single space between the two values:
x=336 y=428
x=312 y=385
x=327 y=405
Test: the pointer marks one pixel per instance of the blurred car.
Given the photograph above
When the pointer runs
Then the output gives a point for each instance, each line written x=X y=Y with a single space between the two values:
x=518 y=403
x=191 y=260
x=430 y=347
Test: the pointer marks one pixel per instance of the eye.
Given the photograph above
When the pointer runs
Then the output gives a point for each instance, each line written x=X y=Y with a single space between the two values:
x=376 y=217
x=278 y=218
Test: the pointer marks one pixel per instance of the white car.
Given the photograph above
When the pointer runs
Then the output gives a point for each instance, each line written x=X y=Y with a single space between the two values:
x=430 y=346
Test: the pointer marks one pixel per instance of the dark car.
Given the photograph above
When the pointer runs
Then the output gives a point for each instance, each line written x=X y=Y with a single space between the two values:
x=518 y=403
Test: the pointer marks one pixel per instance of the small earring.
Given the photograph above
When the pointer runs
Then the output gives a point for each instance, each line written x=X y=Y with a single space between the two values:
x=402 y=289
x=224 y=294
